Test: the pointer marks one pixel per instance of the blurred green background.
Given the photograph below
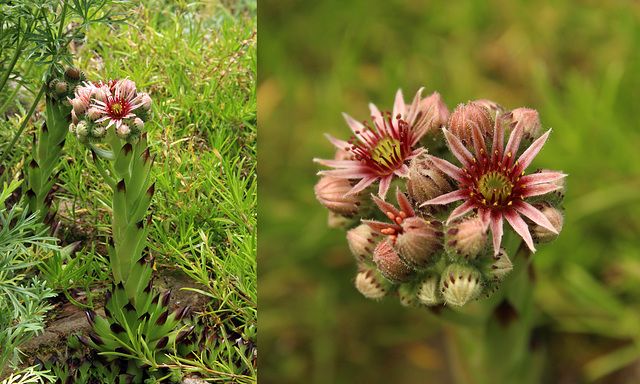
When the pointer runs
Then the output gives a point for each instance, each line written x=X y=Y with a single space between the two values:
x=576 y=62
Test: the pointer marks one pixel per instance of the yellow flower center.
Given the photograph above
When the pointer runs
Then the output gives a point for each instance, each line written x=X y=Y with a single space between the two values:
x=495 y=188
x=386 y=151
x=116 y=109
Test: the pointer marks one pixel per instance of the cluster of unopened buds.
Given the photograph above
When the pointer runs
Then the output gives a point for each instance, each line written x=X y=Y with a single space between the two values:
x=99 y=106
x=457 y=176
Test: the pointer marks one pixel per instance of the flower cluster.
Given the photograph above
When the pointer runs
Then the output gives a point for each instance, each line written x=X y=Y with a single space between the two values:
x=113 y=106
x=62 y=85
x=444 y=243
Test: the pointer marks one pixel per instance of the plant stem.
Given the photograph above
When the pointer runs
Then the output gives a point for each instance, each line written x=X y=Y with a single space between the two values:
x=495 y=347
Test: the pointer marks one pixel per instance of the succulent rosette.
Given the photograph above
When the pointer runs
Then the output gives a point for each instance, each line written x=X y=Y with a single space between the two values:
x=443 y=244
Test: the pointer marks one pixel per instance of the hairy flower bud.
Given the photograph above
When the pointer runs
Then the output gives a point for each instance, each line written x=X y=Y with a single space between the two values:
x=331 y=191
x=430 y=111
x=72 y=74
x=127 y=87
x=389 y=264
x=494 y=108
x=100 y=94
x=136 y=126
x=93 y=114
x=62 y=87
x=541 y=234
x=460 y=284
x=407 y=295
x=81 y=130
x=426 y=181
x=530 y=120
x=464 y=117
x=496 y=267
x=467 y=238
x=429 y=290
x=123 y=131
x=336 y=220
x=80 y=105
x=362 y=241
x=146 y=101
x=372 y=284
x=420 y=242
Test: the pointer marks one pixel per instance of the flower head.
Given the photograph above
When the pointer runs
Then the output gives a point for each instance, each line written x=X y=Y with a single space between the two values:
x=101 y=105
x=378 y=153
x=120 y=102
x=494 y=183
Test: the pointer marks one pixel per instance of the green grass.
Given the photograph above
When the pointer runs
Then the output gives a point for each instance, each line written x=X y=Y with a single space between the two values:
x=198 y=63
x=567 y=60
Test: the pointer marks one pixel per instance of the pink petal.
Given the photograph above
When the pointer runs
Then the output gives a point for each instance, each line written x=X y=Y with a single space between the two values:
x=341 y=144
x=385 y=182
x=541 y=177
x=498 y=141
x=354 y=165
x=541 y=189
x=533 y=214
x=464 y=208
x=459 y=150
x=478 y=140
x=403 y=171
x=376 y=115
x=379 y=226
x=404 y=204
x=450 y=169
x=362 y=184
x=399 y=106
x=531 y=152
x=511 y=150
x=520 y=227
x=448 y=197
x=496 y=228
x=385 y=207
x=413 y=110
x=356 y=126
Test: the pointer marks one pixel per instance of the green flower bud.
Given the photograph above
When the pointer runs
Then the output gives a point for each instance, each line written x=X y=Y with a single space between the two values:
x=496 y=267
x=123 y=131
x=82 y=131
x=336 y=220
x=429 y=290
x=390 y=264
x=93 y=114
x=72 y=74
x=407 y=295
x=460 y=284
x=420 y=242
x=467 y=238
x=372 y=284
x=62 y=87
x=362 y=241
x=136 y=126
